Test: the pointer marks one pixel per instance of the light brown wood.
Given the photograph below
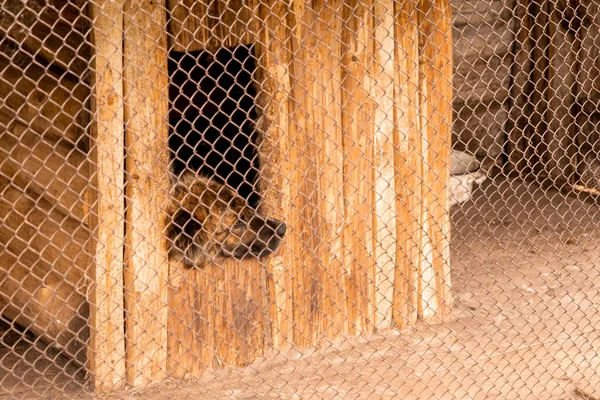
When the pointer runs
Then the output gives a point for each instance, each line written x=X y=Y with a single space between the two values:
x=146 y=105
x=219 y=315
x=304 y=239
x=274 y=75
x=385 y=184
x=408 y=162
x=198 y=25
x=106 y=200
x=435 y=39
x=51 y=105
x=43 y=283
x=358 y=190
x=45 y=33
x=193 y=313
x=328 y=136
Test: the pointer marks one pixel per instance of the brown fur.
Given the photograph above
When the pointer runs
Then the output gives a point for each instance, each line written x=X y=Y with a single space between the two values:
x=207 y=221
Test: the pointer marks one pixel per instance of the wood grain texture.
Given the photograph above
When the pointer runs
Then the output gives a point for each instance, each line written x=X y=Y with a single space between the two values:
x=359 y=175
x=274 y=56
x=42 y=282
x=52 y=169
x=198 y=25
x=435 y=61
x=145 y=115
x=328 y=136
x=44 y=32
x=408 y=162
x=106 y=200
x=52 y=105
x=305 y=239
x=385 y=184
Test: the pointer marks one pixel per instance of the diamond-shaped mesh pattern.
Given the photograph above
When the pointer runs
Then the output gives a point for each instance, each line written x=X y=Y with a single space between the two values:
x=292 y=199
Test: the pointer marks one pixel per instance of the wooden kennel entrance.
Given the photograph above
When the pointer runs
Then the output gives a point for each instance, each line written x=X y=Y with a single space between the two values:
x=354 y=158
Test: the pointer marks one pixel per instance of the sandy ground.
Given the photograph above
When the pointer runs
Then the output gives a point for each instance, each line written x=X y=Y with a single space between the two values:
x=525 y=323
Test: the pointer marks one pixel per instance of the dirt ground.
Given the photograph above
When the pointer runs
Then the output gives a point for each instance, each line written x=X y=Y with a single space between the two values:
x=525 y=323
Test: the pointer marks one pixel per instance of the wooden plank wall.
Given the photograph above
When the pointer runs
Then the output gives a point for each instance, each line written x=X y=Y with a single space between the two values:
x=358 y=101
x=544 y=139
x=483 y=35
x=44 y=171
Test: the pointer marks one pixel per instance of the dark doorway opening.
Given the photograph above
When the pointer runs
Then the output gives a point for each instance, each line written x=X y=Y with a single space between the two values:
x=212 y=117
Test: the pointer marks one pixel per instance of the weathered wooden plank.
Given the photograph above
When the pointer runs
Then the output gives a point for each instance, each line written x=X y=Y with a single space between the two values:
x=328 y=136
x=305 y=240
x=273 y=53
x=474 y=42
x=238 y=319
x=359 y=186
x=42 y=282
x=385 y=184
x=51 y=169
x=107 y=201
x=197 y=25
x=190 y=341
x=478 y=12
x=435 y=40
x=38 y=27
x=146 y=106
x=51 y=105
x=408 y=163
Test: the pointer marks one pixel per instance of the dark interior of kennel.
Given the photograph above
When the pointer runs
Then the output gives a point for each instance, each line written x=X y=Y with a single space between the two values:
x=212 y=116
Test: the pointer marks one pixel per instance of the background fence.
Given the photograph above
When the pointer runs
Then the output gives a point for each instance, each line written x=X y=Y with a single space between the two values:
x=435 y=165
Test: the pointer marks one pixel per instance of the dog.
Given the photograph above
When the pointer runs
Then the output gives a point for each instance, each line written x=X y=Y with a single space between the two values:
x=208 y=221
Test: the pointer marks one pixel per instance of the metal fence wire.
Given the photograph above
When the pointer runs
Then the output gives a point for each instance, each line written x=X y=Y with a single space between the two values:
x=299 y=199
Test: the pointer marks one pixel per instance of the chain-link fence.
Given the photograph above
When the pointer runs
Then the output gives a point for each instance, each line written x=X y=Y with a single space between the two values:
x=341 y=199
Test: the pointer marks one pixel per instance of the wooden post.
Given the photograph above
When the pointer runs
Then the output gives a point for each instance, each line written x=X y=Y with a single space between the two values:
x=304 y=240
x=146 y=85
x=106 y=355
x=274 y=58
x=359 y=178
x=408 y=165
x=385 y=184
x=328 y=136
x=435 y=62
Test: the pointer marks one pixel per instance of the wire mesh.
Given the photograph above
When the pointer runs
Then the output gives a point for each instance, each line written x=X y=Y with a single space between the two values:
x=368 y=199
